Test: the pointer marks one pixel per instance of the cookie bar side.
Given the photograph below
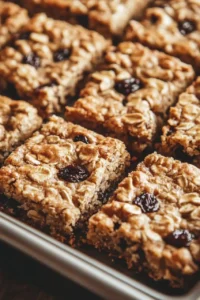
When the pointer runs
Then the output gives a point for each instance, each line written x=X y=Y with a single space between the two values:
x=60 y=180
x=18 y=121
x=145 y=221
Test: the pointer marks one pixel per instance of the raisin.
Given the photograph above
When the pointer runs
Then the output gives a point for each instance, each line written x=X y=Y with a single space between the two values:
x=179 y=238
x=73 y=173
x=185 y=27
x=170 y=131
x=32 y=59
x=154 y=19
x=124 y=102
x=117 y=226
x=128 y=86
x=147 y=202
x=123 y=244
x=61 y=54
x=81 y=138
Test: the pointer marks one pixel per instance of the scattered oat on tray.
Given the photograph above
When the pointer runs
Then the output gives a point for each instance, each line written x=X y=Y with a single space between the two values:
x=153 y=220
x=129 y=97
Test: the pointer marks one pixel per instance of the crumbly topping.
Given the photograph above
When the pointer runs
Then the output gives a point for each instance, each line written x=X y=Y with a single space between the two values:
x=18 y=120
x=183 y=128
x=135 y=117
x=102 y=15
x=31 y=174
x=122 y=226
x=52 y=75
x=12 y=18
x=164 y=27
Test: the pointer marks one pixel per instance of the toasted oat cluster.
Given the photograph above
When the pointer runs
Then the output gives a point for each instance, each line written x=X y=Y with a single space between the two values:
x=62 y=174
x=18 y=120
x=181 y=135
x=55 y=55
x=129 y=97
x=105 y=16
x=172 y=26
x=12 y=18
x=153 y=220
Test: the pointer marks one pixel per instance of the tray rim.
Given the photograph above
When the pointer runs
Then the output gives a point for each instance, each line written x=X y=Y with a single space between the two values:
x=79 y=267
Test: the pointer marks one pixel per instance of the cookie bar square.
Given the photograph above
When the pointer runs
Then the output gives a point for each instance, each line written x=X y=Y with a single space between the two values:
x=62 y=174
x=129 y=97
x=172 y=26
x=153 y=221
x=18 y=120
x=46 y=61
x=181 y=135
x=12 y=18
x=105 y=16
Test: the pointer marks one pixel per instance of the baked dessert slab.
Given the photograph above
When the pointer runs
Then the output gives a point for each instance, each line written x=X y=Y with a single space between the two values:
x=105 y=16
x=12 y=18
x=129 y=97
x=47 y=60
x=152 y=221
x=172 y=26
x=63 y=174
x=18 y=120
x=181 y=135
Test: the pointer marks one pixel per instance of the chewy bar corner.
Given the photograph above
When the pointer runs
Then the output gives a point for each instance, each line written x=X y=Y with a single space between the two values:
x=153 y=221
x=63 y=174
x=105 y=16
x=12 y=18
x=47 y=60
x=129 y=97
x=181 y=135
x=18 y=120
x=171 y=26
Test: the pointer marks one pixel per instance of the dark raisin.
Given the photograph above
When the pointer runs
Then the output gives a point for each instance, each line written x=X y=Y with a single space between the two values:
x=123 y=244
x=81 y=138
x=179 y=238
x=185 y=27
x=73 y=173
x=50 y=84
x=61 y=54
x=147 y=202
x=124 y=102
x=154 y=19
x=83 y=20
x=117 y=226
x=182 y=156
x=170 y=131
x=32 y=59
x=24 y=35
x=128 y=86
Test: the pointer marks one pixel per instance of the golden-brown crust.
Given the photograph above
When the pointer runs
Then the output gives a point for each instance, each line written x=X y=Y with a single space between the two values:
x=12 y=18
x=43 y=37
x=18 y=120
x=30 y=173
x=140 y=238
x=159 y=29
x=137 y=117
x=183 y=128
x=100 y=15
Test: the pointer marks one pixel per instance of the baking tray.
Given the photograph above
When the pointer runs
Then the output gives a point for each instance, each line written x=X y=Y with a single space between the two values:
x=104 y=277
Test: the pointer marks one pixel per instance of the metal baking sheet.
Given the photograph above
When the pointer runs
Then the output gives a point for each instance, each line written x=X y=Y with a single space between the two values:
x=89 y=268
